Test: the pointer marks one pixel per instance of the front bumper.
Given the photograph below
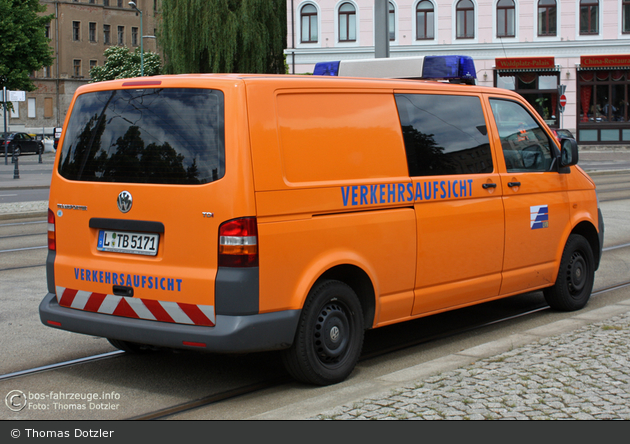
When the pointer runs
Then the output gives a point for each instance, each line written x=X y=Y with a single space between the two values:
x=232 y=334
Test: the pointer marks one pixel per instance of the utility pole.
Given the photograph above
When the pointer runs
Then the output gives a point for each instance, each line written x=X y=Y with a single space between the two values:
x=381 y=29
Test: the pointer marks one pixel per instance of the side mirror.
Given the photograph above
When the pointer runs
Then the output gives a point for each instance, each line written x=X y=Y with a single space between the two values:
x=568 y=152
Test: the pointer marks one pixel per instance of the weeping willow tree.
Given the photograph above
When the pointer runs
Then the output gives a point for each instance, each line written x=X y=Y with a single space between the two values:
x=246 y=36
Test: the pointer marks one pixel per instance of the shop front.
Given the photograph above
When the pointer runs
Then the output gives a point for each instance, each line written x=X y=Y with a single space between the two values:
x=602 y=90
x=534 y=78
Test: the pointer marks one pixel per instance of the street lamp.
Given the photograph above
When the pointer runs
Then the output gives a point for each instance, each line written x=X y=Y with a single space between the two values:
x=134 y=6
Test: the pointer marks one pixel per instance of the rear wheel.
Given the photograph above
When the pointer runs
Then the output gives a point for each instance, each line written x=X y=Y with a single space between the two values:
x=576 y=275
x=329 y=338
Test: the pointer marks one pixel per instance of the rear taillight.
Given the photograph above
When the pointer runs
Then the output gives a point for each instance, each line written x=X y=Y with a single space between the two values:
x=238 y=243
x=52 y=243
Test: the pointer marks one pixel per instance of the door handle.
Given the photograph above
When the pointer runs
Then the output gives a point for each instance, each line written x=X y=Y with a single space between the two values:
x=514 y=184
x=489 y=185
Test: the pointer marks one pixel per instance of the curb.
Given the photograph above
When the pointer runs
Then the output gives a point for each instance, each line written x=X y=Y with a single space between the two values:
x=25 y=215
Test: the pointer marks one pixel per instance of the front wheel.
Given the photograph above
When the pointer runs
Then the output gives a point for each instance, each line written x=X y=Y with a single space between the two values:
x=329 y=338
x=576 y=275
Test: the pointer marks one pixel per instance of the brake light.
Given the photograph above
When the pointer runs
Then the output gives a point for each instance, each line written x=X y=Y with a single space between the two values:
x=238 y=243
x=52 y=242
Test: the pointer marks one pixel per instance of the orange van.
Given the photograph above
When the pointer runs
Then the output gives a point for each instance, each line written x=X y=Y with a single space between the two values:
x=239 y=213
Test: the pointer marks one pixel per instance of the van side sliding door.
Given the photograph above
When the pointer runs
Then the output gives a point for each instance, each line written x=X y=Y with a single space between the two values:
x=458 y=204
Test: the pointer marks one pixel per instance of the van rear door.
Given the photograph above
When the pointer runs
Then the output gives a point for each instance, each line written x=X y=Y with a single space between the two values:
x=140 y=191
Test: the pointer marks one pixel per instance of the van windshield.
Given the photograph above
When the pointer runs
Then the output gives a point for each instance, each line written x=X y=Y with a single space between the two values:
x=160 y=136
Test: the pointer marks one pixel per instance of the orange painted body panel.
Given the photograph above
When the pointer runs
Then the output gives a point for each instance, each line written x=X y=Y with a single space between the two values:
x=294 y=254
x=460 y=242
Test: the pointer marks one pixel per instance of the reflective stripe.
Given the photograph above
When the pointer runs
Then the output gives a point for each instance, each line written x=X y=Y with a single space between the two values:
x=149 y=309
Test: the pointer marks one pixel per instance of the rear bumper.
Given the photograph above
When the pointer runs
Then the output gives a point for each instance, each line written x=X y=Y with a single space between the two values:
x=232 y=334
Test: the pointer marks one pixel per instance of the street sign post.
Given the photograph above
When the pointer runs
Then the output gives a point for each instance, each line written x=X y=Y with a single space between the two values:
x=563 y=102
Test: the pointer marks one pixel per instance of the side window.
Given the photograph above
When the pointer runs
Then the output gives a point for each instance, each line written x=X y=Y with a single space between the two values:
x=444 y=134
x=526 y=146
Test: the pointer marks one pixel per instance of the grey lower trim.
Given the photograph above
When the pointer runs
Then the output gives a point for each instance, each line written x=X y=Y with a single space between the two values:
x=232 y=334
x=600 y=233
x=236 y=291
x=50 y=270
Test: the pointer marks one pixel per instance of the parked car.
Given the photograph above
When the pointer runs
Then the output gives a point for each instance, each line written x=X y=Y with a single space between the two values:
x=22 y=143
x=562 y=133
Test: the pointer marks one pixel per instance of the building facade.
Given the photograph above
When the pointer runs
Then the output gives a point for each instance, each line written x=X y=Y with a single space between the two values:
x=79 y=33
x=534 y=47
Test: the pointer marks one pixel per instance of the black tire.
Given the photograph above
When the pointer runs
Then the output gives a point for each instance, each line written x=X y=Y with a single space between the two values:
x=576 y=275
x=129 y=347
x=329 y=337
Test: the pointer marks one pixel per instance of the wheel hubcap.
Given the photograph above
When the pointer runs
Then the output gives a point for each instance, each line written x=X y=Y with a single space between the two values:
x=331 y=334
x=577 y=273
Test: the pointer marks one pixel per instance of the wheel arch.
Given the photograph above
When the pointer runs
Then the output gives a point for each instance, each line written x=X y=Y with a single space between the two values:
x=587 y=230
x=361 y=284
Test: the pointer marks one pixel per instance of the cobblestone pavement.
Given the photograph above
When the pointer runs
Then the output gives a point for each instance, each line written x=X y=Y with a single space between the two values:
x=582 y=375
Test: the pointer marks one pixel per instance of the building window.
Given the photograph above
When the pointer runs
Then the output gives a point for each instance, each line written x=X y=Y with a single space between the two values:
x=603 y=111
x=308 y=18
x=625 y=16
x=31 y=109
x=505 y=18
x=47 y=72
x=93 y=2
x=121 y=35
x=391 y=24
x=76 y=31
x=93 y=64
x=134 y=36
x=48 y=107
x=47 y=28
x=424 y=20
x=547 y=13
x=92 y=31
x=120 y=3
x=347 y=23
x=465 y=13
x=589 y=17
x=15 y=112
x=105 y=2
x=106 y=34
x=76 y=68
x=540 y=89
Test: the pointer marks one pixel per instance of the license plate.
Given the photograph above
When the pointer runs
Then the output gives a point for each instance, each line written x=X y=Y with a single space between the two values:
x=126 y=242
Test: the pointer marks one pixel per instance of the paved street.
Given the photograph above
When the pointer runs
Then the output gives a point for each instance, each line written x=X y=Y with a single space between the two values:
x=583 y=375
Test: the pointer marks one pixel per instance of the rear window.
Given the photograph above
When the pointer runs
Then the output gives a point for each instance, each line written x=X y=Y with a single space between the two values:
x=160 y=136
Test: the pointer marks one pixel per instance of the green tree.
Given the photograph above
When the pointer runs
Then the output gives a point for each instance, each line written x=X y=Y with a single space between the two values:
x=23 y=44
x=120 y=63
x=246 y=36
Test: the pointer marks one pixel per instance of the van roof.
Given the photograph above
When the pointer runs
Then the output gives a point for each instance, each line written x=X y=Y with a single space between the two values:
x=206 y=80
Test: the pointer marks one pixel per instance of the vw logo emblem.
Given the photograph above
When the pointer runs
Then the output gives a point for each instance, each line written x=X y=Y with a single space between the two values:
x=334 y=334
x=124 y=201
